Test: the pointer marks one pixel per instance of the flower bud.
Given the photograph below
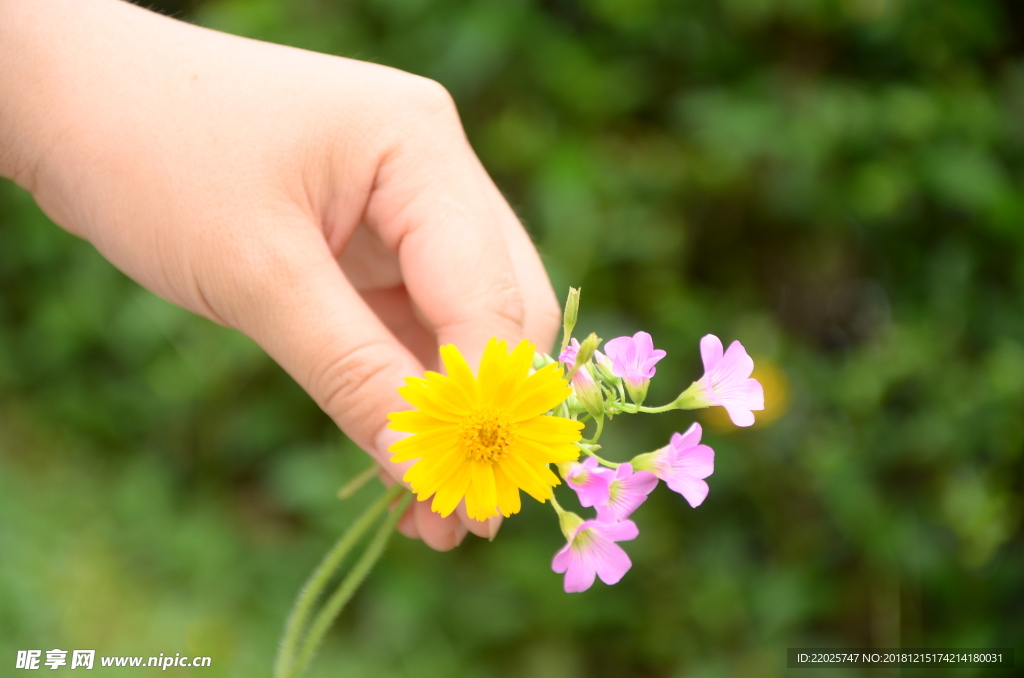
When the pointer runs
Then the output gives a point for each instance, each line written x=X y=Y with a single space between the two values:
x=541 y=360
x=586 y=350
x=572 y=310
x=587 y=391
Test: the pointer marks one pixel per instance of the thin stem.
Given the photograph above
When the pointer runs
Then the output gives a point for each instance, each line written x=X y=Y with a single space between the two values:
x=597 y=433
x=634 y=408
x=656 y=410
x=602 y=461
x=349 y=585
x=357 y=483
x=296 y=622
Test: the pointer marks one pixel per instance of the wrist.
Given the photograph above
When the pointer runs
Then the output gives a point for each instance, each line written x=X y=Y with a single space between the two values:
x=55 y=85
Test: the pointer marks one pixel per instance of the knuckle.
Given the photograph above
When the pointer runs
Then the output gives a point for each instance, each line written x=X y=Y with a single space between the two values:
x=339 y=384
x=430 y=98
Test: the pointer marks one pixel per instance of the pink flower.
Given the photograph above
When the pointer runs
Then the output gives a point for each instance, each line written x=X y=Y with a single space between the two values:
x=682 y=464
x=588 y=392
x=628 y=489
x=726 y=381
x=591 y=481
x=592 y=551
x=633 y=359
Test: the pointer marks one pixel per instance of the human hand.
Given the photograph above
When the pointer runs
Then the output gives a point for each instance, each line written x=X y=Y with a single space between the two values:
x=232 y=176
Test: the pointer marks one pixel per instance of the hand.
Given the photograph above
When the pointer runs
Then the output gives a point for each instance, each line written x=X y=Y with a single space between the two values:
x=231 y=176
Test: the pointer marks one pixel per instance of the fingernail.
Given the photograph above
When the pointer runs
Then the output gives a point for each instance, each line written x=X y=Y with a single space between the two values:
x=493 y=525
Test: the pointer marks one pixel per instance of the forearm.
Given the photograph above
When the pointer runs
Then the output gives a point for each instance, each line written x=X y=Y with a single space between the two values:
x=100 y=96
x=50 y=51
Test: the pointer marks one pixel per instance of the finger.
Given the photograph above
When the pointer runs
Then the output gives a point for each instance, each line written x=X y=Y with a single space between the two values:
x=407 y=523
x=430 y=205
x=300 y=307
x=420 y=522
x=437 y=532
x=395 y=310
x=291 y=297
x=481 y=528
x=542 y=312
x=367 y=262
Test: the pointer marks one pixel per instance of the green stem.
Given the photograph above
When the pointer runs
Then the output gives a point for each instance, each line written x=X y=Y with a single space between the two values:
x=357 y=483
x=348 y=586
x=656 y=410
x=597 y=433
x=628 y=408
x=296 y=622
x=602 y=460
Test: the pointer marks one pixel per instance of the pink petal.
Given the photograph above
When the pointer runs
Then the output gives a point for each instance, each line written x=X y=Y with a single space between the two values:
x=734 y=367
x=580 y=574
x=631 y=491
x=641 y=482
x=747 y=392
x=710 y=351
x=560 y=563
x=569 y=353
x=694 y=490
x=643 y=342
x=696 y=462
x=609 y=560
x=650 y=361
x=623 y=531
x=593 y=490
x=740 y=415
x=688 y=439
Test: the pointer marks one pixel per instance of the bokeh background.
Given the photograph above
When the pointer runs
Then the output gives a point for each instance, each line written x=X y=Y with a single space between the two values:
x=837 y=183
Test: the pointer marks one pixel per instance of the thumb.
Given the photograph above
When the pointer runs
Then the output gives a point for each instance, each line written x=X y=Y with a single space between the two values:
x=291 y=297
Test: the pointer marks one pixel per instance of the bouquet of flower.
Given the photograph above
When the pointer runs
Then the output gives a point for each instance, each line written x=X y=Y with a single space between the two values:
x=483 y=437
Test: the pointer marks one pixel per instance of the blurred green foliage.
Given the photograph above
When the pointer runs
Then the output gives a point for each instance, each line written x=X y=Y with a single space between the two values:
x=837 y=183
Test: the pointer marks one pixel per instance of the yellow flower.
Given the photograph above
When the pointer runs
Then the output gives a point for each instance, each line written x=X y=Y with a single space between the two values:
x=486 y=437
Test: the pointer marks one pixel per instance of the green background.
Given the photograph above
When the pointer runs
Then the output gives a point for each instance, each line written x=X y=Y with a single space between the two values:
x=838 y=184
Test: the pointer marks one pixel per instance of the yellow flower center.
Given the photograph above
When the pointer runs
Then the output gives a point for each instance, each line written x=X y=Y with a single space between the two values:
x=486 y=434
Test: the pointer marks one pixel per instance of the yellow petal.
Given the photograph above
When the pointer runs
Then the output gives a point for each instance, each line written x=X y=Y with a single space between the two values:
x=457 y=368
x=527 y=477
x=435 y=468
x=508 y=493
x=515 y=372
x=420 y=397
x=414 y=421
x=447 y=390
x=493 y=368
x=550 y=430
x=451 y=493
x=542 y=391
x=482 y=496
x=423 y=445
x=542 y=453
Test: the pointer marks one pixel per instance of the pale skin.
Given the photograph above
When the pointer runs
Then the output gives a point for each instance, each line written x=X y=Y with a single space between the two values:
x=330 y=209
